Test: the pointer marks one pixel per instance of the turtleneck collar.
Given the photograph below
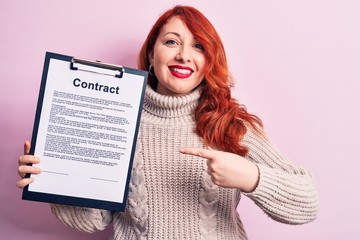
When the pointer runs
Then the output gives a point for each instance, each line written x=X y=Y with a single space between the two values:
x=170 y=106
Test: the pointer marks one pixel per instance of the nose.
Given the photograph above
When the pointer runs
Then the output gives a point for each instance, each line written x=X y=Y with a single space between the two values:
x=184 y=54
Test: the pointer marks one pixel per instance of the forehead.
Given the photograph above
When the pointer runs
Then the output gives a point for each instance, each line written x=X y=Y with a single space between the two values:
x=175 y=25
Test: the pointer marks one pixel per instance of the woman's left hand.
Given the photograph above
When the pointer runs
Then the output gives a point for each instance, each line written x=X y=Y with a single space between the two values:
x=228 y=169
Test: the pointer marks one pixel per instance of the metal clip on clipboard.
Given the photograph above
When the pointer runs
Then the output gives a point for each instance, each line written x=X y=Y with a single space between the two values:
x=106 y=68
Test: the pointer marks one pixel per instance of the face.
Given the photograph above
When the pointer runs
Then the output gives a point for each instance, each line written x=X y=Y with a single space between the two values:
x=178 y=59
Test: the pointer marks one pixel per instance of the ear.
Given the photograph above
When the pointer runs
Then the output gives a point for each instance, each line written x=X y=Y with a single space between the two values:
x=151 y=56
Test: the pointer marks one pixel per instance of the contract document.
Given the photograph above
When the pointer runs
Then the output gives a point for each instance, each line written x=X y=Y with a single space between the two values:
x=85 y=132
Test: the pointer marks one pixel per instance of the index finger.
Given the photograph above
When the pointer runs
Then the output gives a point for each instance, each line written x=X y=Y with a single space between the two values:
x=28 y=159
x=200 y=152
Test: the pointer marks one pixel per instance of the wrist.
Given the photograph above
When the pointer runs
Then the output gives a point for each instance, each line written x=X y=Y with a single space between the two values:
x=252 y=177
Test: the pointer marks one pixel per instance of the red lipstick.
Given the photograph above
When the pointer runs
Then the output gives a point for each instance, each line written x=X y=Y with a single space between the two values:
x=180 y=71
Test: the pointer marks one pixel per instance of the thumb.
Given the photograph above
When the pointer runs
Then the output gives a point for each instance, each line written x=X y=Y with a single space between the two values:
x=27 y=146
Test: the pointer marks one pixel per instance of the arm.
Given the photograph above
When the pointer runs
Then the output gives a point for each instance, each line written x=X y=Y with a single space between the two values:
x=83 y=219
x=285 y=192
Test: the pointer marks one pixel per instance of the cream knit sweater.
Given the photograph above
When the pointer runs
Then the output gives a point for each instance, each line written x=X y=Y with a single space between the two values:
x=171 y=196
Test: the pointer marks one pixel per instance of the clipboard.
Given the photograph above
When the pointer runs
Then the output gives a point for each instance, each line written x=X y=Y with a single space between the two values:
x=85 y=132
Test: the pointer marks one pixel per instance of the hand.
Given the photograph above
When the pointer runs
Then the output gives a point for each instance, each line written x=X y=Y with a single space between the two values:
x=228 y=169
x=24 y=168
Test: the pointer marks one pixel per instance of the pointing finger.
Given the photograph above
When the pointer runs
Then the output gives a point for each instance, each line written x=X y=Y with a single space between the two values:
x=200 y=152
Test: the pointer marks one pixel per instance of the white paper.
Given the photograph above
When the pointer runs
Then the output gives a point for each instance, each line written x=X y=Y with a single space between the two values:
x=86 y=135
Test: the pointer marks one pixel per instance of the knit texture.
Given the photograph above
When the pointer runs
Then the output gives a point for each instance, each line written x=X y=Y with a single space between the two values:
x=171 y=196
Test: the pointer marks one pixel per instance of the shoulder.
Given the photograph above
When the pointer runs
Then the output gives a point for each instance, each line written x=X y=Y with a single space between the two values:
x=260 y=147
x=253 y=133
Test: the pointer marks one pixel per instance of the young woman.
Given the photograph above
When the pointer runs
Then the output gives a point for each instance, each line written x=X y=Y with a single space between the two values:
x=198 y=150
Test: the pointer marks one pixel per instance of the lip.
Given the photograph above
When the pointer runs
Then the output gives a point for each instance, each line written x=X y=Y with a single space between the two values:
x=180 y=71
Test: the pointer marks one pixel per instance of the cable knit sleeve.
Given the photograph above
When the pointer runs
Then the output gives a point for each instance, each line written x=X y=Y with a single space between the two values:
x=285 y=192
x=83 y=219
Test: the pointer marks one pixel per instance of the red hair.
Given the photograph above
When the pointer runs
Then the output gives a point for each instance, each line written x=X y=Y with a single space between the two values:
x=220 y=118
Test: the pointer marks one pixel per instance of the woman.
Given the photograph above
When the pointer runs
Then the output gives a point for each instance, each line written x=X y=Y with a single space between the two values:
x=197 y=148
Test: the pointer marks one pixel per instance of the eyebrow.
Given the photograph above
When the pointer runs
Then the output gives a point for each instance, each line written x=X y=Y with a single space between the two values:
x=175 y=33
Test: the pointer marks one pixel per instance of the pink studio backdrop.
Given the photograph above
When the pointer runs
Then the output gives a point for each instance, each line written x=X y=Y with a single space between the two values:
x=296 y=65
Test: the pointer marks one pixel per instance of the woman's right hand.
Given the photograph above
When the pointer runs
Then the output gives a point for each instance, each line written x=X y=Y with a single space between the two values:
x=25 y=168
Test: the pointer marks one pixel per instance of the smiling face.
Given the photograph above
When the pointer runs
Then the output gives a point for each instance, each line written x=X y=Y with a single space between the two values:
x=178 y=59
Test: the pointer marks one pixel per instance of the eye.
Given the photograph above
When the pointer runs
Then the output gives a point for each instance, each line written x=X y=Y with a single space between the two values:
x=170 y=42
x=199 y=46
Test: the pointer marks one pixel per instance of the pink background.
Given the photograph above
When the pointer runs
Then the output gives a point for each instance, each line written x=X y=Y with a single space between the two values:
x=296 y=63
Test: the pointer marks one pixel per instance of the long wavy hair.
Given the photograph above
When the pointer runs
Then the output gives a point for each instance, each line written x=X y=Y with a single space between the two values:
x=220 y=118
